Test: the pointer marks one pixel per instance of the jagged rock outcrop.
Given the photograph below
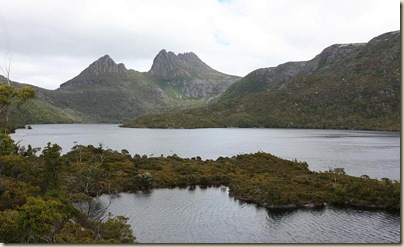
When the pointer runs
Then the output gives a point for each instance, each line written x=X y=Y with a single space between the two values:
x=167 y=65
x=189 y=73
x=103 y=67
x=183 y=75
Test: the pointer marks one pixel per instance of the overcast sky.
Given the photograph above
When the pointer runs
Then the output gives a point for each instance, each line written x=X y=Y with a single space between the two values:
x=51 y=41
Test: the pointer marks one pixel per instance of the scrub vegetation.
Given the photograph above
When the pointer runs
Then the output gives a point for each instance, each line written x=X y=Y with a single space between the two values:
x=46 y=197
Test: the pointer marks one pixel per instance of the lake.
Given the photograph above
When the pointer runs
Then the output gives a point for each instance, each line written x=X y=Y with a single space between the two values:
x=210 y=215
x=372 y=153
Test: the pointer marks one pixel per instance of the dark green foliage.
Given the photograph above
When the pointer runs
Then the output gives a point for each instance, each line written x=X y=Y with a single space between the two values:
x=11 y=98
x=14 y=193
x=143 y=181
x=53 y=166
x=338 y=170
x=6 y=144
x=37 y=196
x=116 y=230
x=37 y=221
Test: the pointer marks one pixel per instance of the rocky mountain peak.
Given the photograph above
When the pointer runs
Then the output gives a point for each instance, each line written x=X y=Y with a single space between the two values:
x=105 y=65
x=193 y=61
x=169 y=65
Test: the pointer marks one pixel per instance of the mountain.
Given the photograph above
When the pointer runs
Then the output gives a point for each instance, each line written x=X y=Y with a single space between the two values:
x=346 y=86
x=185 y=75
x=167 y=65
x=96 y=72
x=109 y=92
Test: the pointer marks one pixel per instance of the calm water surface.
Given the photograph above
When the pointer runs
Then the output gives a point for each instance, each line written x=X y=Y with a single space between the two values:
x=376 y=154
x=211 y=216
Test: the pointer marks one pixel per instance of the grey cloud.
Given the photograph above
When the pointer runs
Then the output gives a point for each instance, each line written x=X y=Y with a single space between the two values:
x=60 y=38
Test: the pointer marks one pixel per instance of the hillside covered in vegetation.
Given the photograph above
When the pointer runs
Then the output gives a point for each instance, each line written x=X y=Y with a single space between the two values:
x=346 y=86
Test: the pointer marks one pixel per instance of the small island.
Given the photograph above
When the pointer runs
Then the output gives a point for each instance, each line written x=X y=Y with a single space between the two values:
x=39 y=194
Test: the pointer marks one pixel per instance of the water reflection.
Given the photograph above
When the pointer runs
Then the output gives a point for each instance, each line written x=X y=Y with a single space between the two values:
x=211 y=216
x=277 y=214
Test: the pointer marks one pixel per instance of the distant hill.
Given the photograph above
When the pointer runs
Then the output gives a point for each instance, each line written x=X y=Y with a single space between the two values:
x=346 y=86
x=40 y=110
x=109 y=92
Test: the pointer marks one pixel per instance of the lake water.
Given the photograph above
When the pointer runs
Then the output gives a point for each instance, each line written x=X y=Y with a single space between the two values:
x=210 y=215
x=372 y=153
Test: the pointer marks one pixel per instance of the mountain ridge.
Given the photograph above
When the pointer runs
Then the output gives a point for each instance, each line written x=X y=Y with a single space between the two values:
x=346 y=86
x=188 y=74
x=103 y=66
x=275 y=76
x=107 y=91
x=169 y=65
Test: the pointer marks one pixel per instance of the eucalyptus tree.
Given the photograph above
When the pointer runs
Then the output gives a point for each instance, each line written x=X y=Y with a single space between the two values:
x=11 y=97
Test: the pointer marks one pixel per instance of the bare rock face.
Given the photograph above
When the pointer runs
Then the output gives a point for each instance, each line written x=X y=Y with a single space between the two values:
x=185 y=70
x=96 y=72
x=167 y=65
x=200 y=88
x=105 y=65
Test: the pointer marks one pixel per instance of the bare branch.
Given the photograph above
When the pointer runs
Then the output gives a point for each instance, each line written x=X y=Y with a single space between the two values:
x=6 y=68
